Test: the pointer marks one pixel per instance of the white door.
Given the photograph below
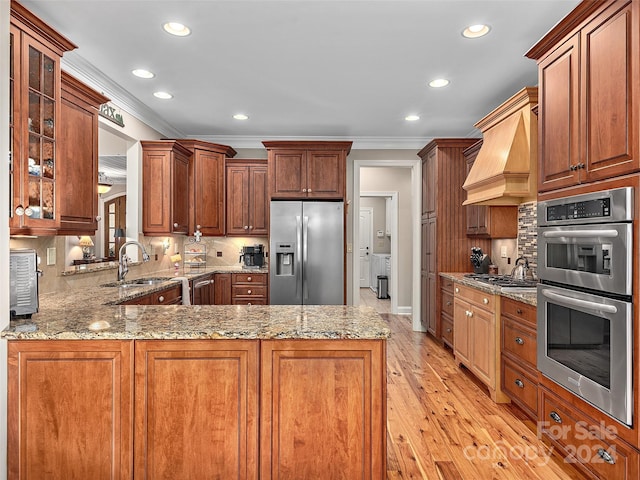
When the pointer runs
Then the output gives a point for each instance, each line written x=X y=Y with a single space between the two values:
x=365 y=246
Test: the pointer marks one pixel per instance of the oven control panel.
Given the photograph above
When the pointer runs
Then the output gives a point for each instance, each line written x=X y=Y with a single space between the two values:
x=598 y=208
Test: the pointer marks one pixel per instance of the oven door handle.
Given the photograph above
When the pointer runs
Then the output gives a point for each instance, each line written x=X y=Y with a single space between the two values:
x=574 y=302
x=581 y=233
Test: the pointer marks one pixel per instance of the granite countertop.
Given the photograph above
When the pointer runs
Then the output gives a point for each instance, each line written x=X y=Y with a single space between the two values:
x=93 y=313
x=528 y=297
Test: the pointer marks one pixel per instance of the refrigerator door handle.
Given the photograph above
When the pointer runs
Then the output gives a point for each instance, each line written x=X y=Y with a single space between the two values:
x=305 y=253
x=298 y=262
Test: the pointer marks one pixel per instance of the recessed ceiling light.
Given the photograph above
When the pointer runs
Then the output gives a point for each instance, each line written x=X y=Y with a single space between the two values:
x=475 y=31
x=142 y=73
x=241 y=116
x=439 y=83
x=177 y=29
x=162 y=95
x=412 y=118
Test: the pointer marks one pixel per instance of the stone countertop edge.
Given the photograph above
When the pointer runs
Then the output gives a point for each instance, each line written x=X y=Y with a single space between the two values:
x=528 y=298
x=173 y=322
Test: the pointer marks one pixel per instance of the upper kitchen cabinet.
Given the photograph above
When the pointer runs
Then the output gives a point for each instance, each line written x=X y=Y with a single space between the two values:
x=206 y=176
x=247 y=198
x=78 y=157
x=307 y=169
x=34 y=123
x=165 y=187
x=484 y=220
x=445 y=246
x=589 y=75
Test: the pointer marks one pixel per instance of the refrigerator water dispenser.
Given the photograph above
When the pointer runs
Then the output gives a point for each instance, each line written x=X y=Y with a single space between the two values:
x=285 y=259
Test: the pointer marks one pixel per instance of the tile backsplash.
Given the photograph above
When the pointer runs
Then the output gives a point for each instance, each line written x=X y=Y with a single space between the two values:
x=527 y=232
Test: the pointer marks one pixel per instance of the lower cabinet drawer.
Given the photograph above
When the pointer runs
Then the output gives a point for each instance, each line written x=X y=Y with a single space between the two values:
x=583 y=440
x=244 y=290
x=520 y=386
x=447 y=330
x=520 y=341
x=249 y=301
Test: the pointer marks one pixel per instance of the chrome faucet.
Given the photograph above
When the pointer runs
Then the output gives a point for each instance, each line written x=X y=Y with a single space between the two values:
x=123 y=260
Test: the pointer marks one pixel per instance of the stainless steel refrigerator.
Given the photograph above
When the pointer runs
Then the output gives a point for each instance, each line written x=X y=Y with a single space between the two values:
x=307 y=253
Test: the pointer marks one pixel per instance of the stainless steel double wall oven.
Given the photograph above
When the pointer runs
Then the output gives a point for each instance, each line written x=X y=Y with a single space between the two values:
x=585 y=304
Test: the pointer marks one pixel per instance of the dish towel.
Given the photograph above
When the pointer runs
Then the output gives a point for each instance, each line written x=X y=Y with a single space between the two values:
x=186 y=294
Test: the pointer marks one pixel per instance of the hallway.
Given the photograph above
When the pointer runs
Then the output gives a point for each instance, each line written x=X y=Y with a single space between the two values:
x=441 y=425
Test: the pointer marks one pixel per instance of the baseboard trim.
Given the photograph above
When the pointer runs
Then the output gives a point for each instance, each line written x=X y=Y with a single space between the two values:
x=404 y=310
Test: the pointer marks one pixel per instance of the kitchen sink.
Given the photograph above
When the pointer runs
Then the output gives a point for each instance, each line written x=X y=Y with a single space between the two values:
x=138 y=282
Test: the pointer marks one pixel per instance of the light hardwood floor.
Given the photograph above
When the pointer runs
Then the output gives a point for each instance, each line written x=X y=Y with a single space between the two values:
x=442 y=425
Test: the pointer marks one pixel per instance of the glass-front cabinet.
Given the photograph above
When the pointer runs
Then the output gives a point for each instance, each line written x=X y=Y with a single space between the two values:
x=36 y=51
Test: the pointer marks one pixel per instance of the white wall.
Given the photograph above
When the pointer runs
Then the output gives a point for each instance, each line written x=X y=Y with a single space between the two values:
x=386 y=179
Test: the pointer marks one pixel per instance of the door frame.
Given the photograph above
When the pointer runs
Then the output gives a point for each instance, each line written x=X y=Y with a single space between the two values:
x=416 y=199
x=370 y=210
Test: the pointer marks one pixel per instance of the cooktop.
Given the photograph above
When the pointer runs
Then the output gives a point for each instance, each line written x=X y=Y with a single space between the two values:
x=501 y=280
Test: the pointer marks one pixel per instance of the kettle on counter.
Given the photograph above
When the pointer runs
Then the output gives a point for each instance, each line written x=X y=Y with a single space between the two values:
x=522 y=271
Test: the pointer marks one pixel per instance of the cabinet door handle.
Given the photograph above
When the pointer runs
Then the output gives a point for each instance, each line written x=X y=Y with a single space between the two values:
x=309 y=190
x=572 y=168
x=519 y=312
x=246 y=227
x=28 y=211
x=161 y=298
x=175 y=225
x=519 y=341
x=250 y=227
x=448 y=330
x=249 y=303
x=485 y=300
x=448 y=304
x=606 y=456
x=555 y=417
x=581 y=165
x=519 y=383
x=248 y=292
x=248 y=279
x=457 y=290
x=304 y=190
x=19 y=210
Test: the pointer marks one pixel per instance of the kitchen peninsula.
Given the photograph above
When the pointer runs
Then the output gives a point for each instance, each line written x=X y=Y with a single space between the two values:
x=132 y=391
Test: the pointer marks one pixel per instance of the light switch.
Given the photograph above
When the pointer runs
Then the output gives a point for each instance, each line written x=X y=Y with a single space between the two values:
x=503 y=251
x=51 y=256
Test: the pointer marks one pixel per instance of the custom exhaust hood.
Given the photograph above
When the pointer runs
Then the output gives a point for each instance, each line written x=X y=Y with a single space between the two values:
x=505 y=170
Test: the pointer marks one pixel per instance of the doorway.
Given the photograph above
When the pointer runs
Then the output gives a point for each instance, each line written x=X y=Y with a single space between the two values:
x=405 y=276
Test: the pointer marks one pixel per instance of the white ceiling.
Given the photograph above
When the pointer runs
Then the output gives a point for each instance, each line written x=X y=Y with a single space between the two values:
x=306 y=69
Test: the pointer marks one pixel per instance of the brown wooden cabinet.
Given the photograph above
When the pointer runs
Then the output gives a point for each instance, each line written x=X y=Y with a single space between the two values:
x=165 y=187
x=70 y=409
x=249 y=289
x=592 y=446
x=519 y=353
x=489 y=221
x=34 y=123
x=207 y=186
x=446 y=311
x=588 y=113
x=445 y=247
x=247 y=198
x=78 y=154
x=299 y=169
x=168 y=296
x=222 y=289
x=316 y=395
x=196 y=409
x=477 y=336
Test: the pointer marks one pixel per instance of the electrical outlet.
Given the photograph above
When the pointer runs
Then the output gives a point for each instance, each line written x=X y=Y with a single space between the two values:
x=218 y=254
x=51 y=256
x=503 y=251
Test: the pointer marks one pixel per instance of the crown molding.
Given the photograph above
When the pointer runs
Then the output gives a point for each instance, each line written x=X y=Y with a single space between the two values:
x=359 y=143
x=84 y=71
